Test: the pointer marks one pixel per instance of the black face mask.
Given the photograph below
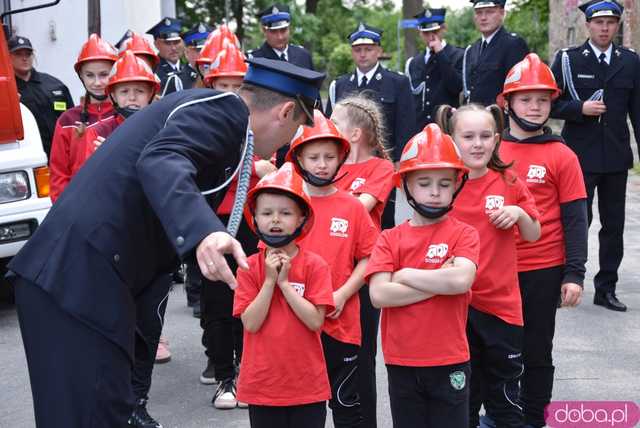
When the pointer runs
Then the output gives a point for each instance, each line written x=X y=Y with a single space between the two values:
x=526 y=125
x=429 y=211
x=278 y=241
x=316 y=181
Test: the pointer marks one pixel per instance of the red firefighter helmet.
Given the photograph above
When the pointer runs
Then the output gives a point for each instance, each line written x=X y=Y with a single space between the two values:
x=530 y=74
x=285 y=180
x=95 y=49
x=230 y=64
x=216 y=43
x=130 y=68
x=429 y=149
x=322 y=128
x=141 y=47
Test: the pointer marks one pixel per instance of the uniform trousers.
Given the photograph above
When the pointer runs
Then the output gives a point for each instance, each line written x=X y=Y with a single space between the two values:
x=611 y=205
x=429 y=396
x=79 y=378
x=370 y=321
x=222 y=332
x=303 y=416
x=342 y=367
x=496 y=368
x=540 y=291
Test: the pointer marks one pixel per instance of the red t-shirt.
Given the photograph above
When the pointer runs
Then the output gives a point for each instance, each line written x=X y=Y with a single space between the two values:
x=283 y=362
x=431 y=332
x=552 y=173
x=342 y=234
x=495 y=290
x=374 y=177
x=226 y=205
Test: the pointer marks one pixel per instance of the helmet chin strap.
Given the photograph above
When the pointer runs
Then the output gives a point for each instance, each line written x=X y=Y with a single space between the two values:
x=526 y=125
x=316 y=181
x=278 y=241
x=429 y=211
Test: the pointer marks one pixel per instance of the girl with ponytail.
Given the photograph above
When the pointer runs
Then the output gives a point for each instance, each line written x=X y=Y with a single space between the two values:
x=493 y=201
x=68 y=147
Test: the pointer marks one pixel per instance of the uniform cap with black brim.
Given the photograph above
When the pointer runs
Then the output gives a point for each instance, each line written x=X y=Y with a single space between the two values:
x=599 y=8
x=288 y=79
x=430 y=19
x=481 y=4
x=365 y=35
x=18 y=42
x=167 y=29
x=275 y=17
x=196 y=36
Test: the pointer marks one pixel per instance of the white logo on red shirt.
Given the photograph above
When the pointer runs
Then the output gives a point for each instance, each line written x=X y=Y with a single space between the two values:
x=436 y=253
x=536 y=174
x=299 y=287
x=339 y=227
x=493 y=202
x=357 y=183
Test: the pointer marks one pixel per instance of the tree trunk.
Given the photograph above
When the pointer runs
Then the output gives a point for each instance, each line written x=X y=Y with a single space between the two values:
x=311 y=6
x=409 y=9
x=93 y=17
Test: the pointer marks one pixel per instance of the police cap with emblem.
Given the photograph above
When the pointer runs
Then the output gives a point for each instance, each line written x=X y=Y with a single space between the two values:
x=598 y=8
x=288 y=79
x=197 y=35
x=480 y=4
x=17 y=42
x=167 y=29
x=430 y=19
x=275 y=16
x=365 y=35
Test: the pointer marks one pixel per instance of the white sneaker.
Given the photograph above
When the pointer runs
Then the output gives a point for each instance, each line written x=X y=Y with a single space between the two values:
x=225 y=396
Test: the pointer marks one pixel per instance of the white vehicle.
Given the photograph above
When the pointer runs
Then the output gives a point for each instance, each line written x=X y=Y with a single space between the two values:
x=24 y=189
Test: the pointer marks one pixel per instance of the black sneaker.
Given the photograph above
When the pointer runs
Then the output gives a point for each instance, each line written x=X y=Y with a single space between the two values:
x=225 y=396
x=140 y=418
x=208 y=376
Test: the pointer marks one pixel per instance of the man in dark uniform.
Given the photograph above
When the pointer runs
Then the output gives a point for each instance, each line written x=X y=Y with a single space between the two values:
x=81 y=275
x=173 y=75
x=436 y=73
x=275 y=21
x=393 y=92
x=43 y=94
x=490 y=58
x=601 y=83
x=194 y=41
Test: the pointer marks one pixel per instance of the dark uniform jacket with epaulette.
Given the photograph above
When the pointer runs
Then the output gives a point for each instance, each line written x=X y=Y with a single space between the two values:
x=485 y=73
x=296 y=55
x=168 y=75
x=393 y=92
x=437 y=82
x=47 y=98
x=135 y=208
x=601 y=142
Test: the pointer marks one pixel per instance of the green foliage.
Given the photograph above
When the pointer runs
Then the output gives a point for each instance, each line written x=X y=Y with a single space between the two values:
x=530 y=19
x=461 y=31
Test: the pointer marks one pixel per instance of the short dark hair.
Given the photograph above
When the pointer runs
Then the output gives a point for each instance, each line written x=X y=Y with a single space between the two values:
x=265 y=99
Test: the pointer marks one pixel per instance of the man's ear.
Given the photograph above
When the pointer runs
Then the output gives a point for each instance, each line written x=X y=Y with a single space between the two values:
x=286 y=111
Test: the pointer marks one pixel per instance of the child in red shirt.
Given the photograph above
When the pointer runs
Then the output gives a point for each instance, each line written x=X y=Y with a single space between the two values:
x=366 y=174
x=68 y=147
x=344 y=235
x=551 y=269
x=282 y=299
x=493 y=201
x=420 y=273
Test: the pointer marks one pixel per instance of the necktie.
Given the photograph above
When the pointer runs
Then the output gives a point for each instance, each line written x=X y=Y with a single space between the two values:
x=283 y=57
x=483 y=47
x=363 y=82
x=603 y=59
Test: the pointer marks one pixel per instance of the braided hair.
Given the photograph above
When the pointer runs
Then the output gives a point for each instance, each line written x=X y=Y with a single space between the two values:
x=446 y=118
x=366 y=114
x=84 y=116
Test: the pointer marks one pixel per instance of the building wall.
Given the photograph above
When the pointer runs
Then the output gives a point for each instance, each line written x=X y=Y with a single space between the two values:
x=58 y=32
x=567 y=24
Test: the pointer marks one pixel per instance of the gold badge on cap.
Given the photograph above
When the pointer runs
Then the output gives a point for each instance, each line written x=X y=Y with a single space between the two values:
x=427 y=13
x=361 y=27
x=167 y=22
x=201 y=28
x=21 y=41
x=275 y=10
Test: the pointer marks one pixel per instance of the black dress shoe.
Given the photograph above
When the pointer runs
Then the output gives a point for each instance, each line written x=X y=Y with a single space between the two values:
x=140 y=418
x=609 y=301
